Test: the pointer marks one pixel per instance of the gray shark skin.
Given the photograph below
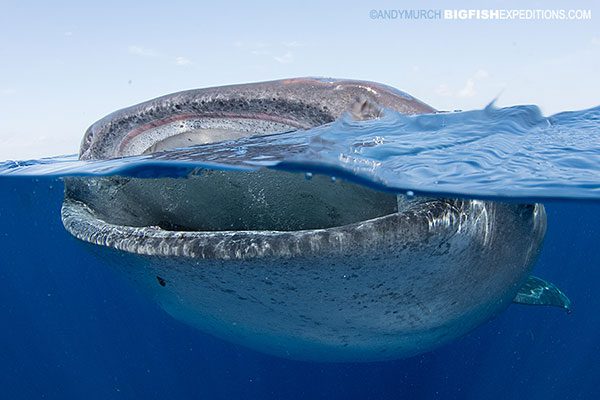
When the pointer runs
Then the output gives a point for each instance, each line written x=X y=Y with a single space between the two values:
x=229 y=112
x=310 y=270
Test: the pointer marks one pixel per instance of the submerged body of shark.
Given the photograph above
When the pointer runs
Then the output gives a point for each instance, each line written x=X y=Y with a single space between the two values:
x=306 y=269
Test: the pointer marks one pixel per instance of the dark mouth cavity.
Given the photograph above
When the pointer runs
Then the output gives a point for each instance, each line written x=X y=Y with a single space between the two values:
x=231 y=201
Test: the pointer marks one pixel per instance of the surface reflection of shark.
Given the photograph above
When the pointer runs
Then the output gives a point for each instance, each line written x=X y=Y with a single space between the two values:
x=307 y=269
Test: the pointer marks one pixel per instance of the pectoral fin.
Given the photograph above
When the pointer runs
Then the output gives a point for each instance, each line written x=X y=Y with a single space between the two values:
x=537 y=291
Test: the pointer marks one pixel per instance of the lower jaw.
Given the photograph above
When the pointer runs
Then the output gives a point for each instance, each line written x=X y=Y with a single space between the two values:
x=316 y=300
x=307 y=310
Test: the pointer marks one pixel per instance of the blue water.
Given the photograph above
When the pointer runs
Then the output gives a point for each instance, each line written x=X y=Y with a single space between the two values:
x=72 y=328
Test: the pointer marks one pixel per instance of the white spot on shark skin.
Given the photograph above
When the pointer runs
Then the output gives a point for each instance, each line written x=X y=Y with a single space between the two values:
x=368 y=89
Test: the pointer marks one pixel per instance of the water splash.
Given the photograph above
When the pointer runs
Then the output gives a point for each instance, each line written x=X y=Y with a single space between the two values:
x=512 y=152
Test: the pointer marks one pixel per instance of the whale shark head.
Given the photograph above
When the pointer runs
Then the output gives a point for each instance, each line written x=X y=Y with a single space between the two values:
x=236 y=200
x=308 y=269
x=230 y=112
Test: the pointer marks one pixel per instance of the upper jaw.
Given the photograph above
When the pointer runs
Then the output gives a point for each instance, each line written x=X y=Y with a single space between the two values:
x=299 y=103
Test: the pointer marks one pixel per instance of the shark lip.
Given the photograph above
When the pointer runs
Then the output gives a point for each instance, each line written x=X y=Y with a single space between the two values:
x=178 y=124
x=362 y=236
x=80 y=221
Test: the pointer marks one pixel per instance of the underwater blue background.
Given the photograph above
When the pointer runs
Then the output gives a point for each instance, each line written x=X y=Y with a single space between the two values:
x=72 y=328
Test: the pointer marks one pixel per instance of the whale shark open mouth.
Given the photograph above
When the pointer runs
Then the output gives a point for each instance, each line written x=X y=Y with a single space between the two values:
x=208 y=201
x=232 y=201
x=231 y=214
x=304 y=268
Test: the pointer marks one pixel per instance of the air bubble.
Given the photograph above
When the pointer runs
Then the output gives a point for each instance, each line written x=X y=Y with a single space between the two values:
x=241 y=150
x=410 y=193
x=308 y=176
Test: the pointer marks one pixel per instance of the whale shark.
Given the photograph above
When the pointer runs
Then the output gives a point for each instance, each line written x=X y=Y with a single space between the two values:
x=308 y=269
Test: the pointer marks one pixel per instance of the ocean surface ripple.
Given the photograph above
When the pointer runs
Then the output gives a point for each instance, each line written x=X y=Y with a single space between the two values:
x=513 y=152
